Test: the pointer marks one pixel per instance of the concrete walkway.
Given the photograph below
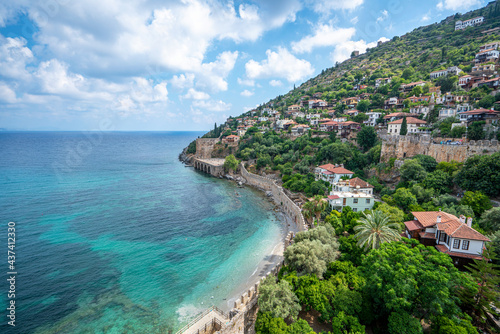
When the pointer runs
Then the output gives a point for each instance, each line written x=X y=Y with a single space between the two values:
x=200 y=323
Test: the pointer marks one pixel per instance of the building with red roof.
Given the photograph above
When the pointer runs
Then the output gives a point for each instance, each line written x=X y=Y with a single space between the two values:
x=449 y=234
x=413 y=125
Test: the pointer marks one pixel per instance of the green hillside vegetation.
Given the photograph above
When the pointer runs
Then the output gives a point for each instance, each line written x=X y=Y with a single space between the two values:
x=354 y=271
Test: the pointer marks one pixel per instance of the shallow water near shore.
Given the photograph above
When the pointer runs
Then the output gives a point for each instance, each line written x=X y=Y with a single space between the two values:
x=115 y=235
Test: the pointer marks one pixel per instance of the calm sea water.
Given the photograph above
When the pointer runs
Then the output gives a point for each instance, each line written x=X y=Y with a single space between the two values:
x=115 y=235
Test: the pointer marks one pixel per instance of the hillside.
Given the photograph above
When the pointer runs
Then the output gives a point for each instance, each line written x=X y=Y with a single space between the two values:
x=425 y=49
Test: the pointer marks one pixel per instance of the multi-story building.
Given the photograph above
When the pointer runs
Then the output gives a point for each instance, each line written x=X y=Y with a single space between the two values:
x=469 y=23
x=414 y=125
x=373 y=117
x=487 y=55
x=382 y=81
x=449 y=234
x=332 y=173
x=453 y=70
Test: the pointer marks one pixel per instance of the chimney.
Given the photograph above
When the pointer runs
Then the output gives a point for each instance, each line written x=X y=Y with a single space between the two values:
x=469 y=222
x=438 y=219
x=462 y=219
x=341 y=165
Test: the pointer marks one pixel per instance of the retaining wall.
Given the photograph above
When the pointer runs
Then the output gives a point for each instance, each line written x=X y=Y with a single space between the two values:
x=279 y=196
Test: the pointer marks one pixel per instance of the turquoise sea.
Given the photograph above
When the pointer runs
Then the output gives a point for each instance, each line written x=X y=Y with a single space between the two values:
x=115 y=235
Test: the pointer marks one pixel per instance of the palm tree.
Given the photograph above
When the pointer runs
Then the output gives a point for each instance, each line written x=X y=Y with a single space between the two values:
x=308 y=210
x=376 y=229
x=319 y=205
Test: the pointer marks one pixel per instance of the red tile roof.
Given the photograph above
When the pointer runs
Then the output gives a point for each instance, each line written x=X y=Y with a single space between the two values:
x=429 y=218
x=356 y=181
x=450 y=225
x=409 y=120
x=333 y=197
x=413 y=225
x=335 y=170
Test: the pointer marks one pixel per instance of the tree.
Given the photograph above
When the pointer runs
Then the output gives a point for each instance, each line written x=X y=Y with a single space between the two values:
x=486 y=102
x=439 y=181
x=404 y=127
x=475 y=131
x=278 y=299
x=308 y=210
x=428 y=162
x=412 y=170
x=478 y=201
x=410 y=277
x=404 y=199
x=363 y=105
x=481 y=173
x=319 y=205
x=343 y=324
x=395 y=214
x=404 y=323
x=231 y=163
x=487 y=277
x=375 y=228
x=490 y=220
x=407 y=73
x=312 y=251
x=367 y=138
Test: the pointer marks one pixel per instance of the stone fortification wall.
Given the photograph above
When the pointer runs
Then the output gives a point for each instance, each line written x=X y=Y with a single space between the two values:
x=205 y=147
x=245 y=309
x=279 y=196
x=401 y=147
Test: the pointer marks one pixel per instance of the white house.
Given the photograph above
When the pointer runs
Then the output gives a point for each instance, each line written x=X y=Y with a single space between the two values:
x=353 y=184
x=372 y=118
x=299 y=130
x=453 y=70
x=491 y=45
x=487 y=55
x=469 y=23
x=332 y=173
x=382 y=81
x=449 y=234
x=413 y=126
x=357 y=200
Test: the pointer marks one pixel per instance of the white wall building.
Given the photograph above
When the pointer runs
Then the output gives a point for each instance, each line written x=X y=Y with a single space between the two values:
x=469 y=23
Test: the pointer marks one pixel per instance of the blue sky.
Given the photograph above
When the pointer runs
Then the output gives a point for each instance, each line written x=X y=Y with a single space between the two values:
x=179 y=65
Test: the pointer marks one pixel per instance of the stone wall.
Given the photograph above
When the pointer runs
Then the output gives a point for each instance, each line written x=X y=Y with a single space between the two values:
x=401 y=147
x=279 y=196
x=205 y=147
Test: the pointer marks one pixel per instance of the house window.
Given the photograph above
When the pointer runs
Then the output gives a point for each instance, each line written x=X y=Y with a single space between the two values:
x=456 y=243
x=355 y=201
x=367 y=201
x=355 y=210
x=442 y=236
x=465 y=245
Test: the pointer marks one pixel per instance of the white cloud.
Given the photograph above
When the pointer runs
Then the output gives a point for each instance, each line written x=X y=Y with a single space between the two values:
x=324 y=35
x=212 y=105
x=457 y=4
x=246 y=82
x=246 y=93
x=212 y=75
x=183 y=81
x=385 y=15
x=7 y=94
x=355 y=20
x=426 y=17
x=14 y=56
x=322 y=6
x=275 y=83
x=344 y=50
x=99 y=37
x=281 y=64
x=196 y=95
